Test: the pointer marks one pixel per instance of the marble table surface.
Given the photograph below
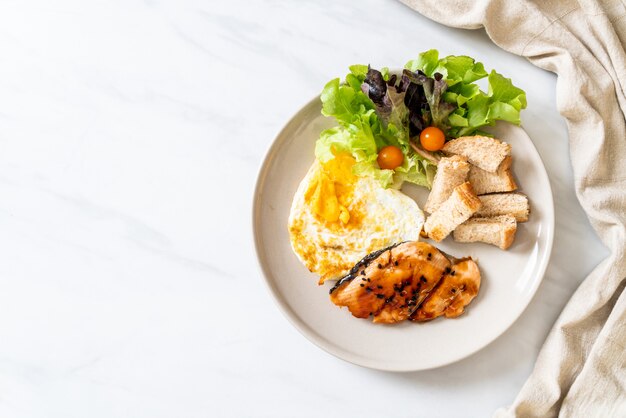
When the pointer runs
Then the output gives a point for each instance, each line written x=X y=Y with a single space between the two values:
x=130 y=137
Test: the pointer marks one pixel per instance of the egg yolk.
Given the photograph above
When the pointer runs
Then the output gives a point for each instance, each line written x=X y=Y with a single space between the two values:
x=330 y=192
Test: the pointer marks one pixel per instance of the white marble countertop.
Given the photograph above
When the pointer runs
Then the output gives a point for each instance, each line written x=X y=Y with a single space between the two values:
x=130 y=137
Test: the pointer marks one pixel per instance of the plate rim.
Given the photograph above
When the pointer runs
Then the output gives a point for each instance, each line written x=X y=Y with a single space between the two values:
x=327 y=346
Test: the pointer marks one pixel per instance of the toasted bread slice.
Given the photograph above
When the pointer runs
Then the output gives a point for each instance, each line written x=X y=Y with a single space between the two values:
x=485 y=182
x=514 y=204
x=458 y=208
x=482 y=151
x=451 y=172
x=498 y=231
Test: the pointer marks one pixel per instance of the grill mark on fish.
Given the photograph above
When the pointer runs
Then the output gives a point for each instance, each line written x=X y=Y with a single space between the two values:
x=403 y=277
x=362 y=264
x=455 y=290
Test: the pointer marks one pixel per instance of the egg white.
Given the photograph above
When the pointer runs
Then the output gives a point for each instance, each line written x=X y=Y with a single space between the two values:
x=387 y=216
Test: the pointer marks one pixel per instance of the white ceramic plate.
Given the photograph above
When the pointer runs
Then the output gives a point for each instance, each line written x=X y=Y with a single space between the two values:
x=509 y=278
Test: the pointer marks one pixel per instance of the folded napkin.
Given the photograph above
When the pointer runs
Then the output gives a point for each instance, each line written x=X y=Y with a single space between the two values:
x=581 y=369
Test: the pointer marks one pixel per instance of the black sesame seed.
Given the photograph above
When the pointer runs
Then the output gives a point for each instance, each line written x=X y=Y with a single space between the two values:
x=363 y=272
x=389 y=299
x=448 y=270
x=453 y=290
x=380 y=296
x=395 y=262
x=423 y=279
x=379 y=286
x=452 y=273
x=380 y=266
x=368 y=279
x=364 y=279
x=362 y=285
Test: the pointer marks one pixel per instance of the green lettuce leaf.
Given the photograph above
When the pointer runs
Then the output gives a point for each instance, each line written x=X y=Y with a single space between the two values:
x=375 y=108
x=506 y=100
x=475 y=108
x=371 y=115
x=416 y=170
x=427 y=62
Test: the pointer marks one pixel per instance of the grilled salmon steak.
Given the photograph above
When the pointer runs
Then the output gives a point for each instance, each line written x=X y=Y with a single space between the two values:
x=456 y=290
x=408 y=280
x=392 y=283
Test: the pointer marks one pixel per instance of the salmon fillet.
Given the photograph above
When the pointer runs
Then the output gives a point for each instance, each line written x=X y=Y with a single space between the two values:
x=458 y=287
x=390 y=284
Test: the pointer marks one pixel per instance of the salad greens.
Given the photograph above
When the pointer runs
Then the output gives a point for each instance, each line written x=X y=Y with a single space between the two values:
x=370 y=116
x=474 y=108
x=375 y=108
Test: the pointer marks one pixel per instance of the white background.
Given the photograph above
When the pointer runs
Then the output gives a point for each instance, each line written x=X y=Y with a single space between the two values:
x=130 y=136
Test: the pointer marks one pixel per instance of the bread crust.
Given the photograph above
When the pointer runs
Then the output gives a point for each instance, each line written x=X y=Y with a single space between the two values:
x=451 y=172
x=485 y=182
x=508 y=236
x=458 y=208
x=482 y=230
x=514 y=204
x=482 y=151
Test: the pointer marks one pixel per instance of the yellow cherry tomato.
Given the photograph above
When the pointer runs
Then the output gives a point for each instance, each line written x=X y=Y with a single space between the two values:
x=390 y=157
x=432 y=138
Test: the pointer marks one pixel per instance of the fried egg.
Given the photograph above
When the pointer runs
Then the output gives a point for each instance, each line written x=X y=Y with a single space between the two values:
x=337 y=218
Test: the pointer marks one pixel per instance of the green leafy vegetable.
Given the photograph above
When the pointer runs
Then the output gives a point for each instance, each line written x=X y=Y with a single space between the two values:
x=433 y=88
x=375 y=108
x=371 y=115
x=475 y=108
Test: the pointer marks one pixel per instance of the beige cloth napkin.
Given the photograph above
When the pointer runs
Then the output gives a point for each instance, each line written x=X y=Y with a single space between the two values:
x=581 y=369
